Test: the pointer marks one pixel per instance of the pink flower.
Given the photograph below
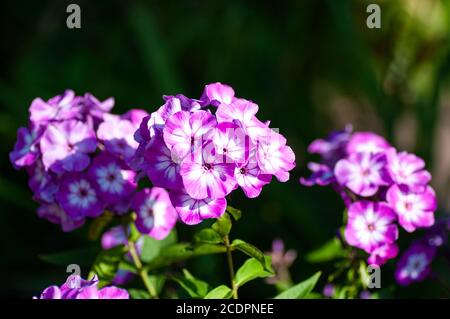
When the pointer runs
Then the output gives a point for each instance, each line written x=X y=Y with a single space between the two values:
x=362 y=173
x=366 y=142
x=217 y=93
x=407 y=169
x=161 y=168
x=231 y=142
x=414 y=210
x=155 y=214
x=185 y=132
x=370 y=225
x=382 y=254
x=113 y=178
x=414 y=264
x=117 y=134
x=274 y=156
x=250 y=178
x=65 y=146
x=58 y=108
x=193 y=211
x=206 y=175
x=79 y=197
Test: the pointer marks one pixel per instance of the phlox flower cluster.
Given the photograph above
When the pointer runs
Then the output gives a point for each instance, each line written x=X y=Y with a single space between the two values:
x=380 y=186
x=78 y=156
x=76 y=287
x=200 y=150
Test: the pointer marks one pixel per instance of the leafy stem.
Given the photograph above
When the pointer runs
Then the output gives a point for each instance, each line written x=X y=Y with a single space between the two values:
x=230 y=266
x=141 y=270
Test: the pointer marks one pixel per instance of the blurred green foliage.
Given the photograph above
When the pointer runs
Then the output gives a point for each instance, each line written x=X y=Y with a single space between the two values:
x=311 y=65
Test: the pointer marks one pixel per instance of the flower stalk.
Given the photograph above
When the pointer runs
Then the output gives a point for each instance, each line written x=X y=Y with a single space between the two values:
x=141 y=270
x=231 y=267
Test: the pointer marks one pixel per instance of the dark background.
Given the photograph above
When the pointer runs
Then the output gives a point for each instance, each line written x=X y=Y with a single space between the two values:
x=312 y=66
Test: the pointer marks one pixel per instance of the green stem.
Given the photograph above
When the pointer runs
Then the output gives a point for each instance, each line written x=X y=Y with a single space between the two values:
x=231 y=267
x=141 y=270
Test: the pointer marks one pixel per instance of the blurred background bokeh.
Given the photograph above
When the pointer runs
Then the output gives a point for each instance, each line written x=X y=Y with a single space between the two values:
x=311 y=65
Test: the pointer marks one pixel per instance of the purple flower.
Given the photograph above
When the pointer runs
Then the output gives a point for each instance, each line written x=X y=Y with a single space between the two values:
x=217 y=93
x=161 y=167
x=79 y=197
x=362 y=173
x=58 y=108
x=56 y=215
x=274 y=156
x=366 y=142
x=329 y=290
x=250 y=178
x=155 y=214
x=42 y=183
x=114 y=179
x=185 y=132
x=94 y=109
x=414 y=210
x=206 y=175
x=26 y=149
x=414 y=264
x=193 y=211
x=117 y=134
x=407 y=169
x=321 y=175
x=370 y=225
x=333 y=147
x=114 y=237
x=78 y=288
x=281 y=261
x=65 y=146
x=382 y=254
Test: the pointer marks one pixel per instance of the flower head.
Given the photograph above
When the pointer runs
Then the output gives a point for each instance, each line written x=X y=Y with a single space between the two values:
x=414 y=264
x=414 y=210
x=65 y=146
x=362 y=173
x=155 y=214
x=193 y=211
x=370 y=225
x=79 y=197
x=114 y=179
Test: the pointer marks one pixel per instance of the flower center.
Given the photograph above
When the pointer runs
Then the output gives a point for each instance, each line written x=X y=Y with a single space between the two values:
x=243 y=171
x=83 y=192
x=207 y=166
x=365 y=172
x=408 y=205
x=371 y=227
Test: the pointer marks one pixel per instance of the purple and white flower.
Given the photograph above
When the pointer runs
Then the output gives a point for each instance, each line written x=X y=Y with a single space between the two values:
x=114 y=179
x=79 y=197
x=217 y=93
x=415 y=264
x=193 y=211
x=382 y=254
x=65 y=146
x=414 y=210
x=370 y=225
x=362 y=173
x=155 y=214
x=366 y=142
x=26 y=149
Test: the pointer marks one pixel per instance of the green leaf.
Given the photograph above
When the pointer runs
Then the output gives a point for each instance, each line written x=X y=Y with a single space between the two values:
x=252 y=269
x=208 y=236
x=300 y=290
x=152 y=247
x=220 y=292
x=329 y=251
x=251 y=251
x=182 y=251
x=158 y=282
x=138 y=294
x=196 y=288
x=223 y=225
x=106 y=264
x=82 y=257
x=234 y=212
